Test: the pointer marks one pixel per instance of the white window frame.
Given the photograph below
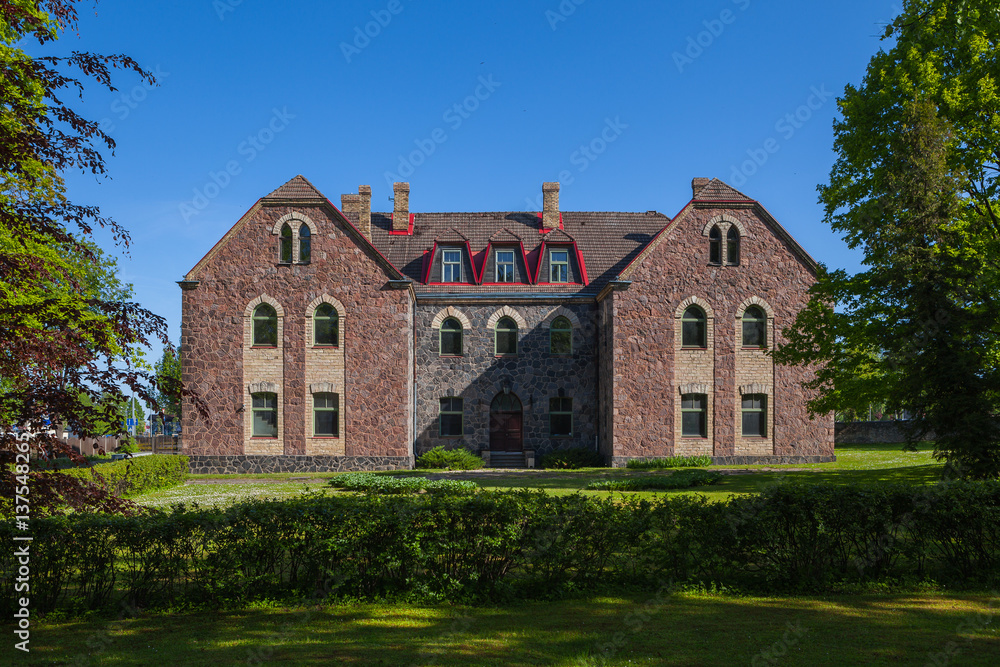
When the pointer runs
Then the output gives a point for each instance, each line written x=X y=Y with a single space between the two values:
x=502 y=278
x=562 y=263
x=447 y=264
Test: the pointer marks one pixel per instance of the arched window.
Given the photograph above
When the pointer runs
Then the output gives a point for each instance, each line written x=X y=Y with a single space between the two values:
x=733 y=246
x=693 y=328
x=326 y=326
x=285 y=245
x=506 y=336
x=305 y=244
x=265 y=326
x=754 y=327
x=561 y=336
x=451 y=338
x=265 y=415
x=715 y=246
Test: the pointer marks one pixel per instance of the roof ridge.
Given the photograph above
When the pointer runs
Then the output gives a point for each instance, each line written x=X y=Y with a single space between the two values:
x=297 y=187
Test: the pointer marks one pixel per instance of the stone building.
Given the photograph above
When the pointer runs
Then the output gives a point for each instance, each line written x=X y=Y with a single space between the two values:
x=321 y=338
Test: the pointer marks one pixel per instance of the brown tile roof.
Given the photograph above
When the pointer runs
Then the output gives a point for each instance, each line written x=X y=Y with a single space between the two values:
x=716 y=190
x=297 y=188
x=606 y=241
x=504 y=235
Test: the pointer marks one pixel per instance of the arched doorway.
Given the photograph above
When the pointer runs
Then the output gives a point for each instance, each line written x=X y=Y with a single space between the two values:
x=505 y=424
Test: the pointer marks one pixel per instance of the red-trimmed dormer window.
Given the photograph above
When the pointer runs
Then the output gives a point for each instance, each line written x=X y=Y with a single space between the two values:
x=558 y=265
x=505 y=265
x=451 y=265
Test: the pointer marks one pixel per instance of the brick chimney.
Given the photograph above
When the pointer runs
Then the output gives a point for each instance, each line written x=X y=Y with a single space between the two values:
x=350 y=204
x=697 y=185
x=550 y=205
x=401 y=207
x=365 y=210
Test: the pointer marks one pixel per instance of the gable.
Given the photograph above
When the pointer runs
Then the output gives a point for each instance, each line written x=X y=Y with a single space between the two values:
x=299 y=195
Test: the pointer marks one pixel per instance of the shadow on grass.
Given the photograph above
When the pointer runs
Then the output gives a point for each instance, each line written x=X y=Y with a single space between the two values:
x=678 y=629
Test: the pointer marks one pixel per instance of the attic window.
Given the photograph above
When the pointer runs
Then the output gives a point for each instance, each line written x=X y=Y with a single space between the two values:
x=451 y=264
x=505 y=266
x=559 y=266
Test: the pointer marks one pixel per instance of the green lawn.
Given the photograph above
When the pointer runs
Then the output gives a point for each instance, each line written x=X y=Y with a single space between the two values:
x=855 y=463
x=643 y=629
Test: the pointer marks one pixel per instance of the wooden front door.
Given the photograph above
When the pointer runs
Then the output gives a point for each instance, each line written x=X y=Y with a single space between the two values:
x=505 y=424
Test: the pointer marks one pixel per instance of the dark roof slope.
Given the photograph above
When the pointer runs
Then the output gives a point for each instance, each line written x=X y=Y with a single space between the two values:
x=716 y=190
x=297 y=188
x=607 y=242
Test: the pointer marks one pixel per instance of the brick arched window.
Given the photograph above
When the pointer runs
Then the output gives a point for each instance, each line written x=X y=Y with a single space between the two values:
x=285 y=245
x=326 y=326
x=715 y=245
x=561 y=336
x=265 y=326
x=450 y=342
x=305 y=244
x=754 y=327
x=693 y=328
x=733 y=246
x=506 y=336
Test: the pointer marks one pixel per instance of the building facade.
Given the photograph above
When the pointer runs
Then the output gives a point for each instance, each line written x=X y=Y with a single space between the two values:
x=324 y=338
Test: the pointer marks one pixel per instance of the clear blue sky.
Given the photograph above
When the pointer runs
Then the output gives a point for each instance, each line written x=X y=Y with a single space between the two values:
x=656 y=92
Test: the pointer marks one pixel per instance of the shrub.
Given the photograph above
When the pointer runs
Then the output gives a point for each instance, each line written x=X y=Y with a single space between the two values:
x=450 y=459
x=682 y=479
x=133 y=477
x=571 y=459
x=507 y=545
x=367 y=482
x=670 y=462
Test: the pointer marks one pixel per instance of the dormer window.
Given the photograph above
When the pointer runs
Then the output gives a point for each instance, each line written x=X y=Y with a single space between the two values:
x=505 y=266
x=559 y=266
x=451 y=261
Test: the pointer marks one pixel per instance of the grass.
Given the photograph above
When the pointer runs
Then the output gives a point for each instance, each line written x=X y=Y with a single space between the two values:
x=635 y=629
x=855 y=463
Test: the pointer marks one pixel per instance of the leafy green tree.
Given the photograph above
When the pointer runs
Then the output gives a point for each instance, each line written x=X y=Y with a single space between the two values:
x=915 y=187
x=69 y=331
x=168 y=380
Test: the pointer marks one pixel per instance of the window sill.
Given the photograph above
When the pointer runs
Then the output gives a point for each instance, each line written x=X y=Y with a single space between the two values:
x=694 y=437
x=325 y=437
x=755 y=437
x=451 y=437
x=326 y=347
x=264 y=437
x=508 y=355
x=692 y=347
x=754 y=348
x=451 y=356
x=263 y=347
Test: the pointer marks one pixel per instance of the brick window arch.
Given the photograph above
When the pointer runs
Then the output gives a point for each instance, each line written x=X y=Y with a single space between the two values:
x=295 y=233
x=265 y=326
x=450 y=338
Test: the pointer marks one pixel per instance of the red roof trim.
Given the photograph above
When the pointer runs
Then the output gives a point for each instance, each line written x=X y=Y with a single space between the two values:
x=428 y=263
x=542 y=230
x=579 y=261
x=408 y=232
x=524 y=258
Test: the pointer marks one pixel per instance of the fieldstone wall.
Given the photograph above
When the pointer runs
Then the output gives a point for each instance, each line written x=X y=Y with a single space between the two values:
x=534 y=376
x=376 y=344
x=622 y=461
x=252 y=465
x=861 y=433
x=674 y=268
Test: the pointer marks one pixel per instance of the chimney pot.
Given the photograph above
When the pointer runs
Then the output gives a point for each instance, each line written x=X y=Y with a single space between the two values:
x=697 y=185
x=401 y=207
x=550 y=205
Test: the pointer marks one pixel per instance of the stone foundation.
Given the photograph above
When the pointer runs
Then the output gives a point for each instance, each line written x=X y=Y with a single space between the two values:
x=249 y=465
x=622 y=461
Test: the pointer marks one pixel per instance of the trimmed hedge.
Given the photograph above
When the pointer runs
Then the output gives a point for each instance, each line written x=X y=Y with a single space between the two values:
x=367 y=482
x=682 y=479
x=572 y=459
x=512 y=545
x=135 y=476
x=669 y=462
x=450 y=459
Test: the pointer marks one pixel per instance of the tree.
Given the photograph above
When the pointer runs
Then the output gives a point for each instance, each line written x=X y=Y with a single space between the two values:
x=69 y=332
x=915 y=187
x=168 y=380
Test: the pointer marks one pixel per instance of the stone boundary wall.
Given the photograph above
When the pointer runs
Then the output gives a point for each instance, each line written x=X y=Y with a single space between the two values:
x=622 y=461
x=860 y=433
x=236 y=464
